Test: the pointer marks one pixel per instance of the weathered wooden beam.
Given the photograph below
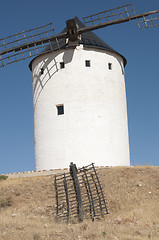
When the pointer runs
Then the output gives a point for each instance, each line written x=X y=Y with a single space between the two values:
x=88 y=196
x=90 y=192
x=67 y=199
x=73 y=172
x=100 y=188
x=56 y=195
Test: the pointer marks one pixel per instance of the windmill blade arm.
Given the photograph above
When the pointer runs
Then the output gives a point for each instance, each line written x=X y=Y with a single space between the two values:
x=27 y=44
x=33 y=44
x=154 y=16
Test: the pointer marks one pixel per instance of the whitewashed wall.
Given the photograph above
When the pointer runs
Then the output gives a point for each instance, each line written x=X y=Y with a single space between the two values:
x=94 y=126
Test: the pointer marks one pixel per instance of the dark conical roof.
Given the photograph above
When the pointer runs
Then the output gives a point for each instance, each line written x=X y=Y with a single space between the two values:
x=88 y=39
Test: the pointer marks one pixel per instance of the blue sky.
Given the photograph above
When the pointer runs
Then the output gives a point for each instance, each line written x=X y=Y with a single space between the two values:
x=140 y=47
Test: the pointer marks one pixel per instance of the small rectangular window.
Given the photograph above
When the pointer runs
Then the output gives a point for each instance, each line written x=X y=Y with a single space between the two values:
x=87 y=63
x=41 y=71
x=62 y=65
x=110 y=66
x=60 y=109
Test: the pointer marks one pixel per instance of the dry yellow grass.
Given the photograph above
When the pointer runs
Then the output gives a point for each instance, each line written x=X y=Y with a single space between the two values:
x=27 y=208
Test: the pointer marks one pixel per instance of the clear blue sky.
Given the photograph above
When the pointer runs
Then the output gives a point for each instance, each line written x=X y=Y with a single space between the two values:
x=140 y=47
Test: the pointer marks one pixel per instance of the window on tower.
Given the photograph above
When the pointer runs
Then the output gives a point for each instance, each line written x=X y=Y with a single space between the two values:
x=62 y=65
x=41 y=71
x=110 y=66
x=60 y=109
x=87 y=63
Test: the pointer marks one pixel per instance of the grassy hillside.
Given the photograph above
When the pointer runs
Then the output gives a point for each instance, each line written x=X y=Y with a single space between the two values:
x=27 y=208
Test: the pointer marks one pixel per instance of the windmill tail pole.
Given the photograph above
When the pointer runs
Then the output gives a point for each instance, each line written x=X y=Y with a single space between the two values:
x=113 y=22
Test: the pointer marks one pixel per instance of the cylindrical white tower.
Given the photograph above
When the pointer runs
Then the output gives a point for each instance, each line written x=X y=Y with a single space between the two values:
x=79 y=101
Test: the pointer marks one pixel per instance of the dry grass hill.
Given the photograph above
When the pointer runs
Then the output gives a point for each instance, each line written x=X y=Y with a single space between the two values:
x=27 y=208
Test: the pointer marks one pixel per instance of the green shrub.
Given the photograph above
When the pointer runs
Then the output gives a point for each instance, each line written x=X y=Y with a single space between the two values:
x=3 y=177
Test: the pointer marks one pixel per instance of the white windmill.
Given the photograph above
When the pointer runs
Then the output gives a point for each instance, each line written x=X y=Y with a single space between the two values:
x=79 y=99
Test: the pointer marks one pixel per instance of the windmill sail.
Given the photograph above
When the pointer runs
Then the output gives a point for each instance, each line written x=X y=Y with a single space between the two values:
x=152 y=20
x=110 y=15
x=25 y=44
x=120 y=15
x=31 y=43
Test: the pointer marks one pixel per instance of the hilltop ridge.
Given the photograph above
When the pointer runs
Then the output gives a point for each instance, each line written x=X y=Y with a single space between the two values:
x=28 y=207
